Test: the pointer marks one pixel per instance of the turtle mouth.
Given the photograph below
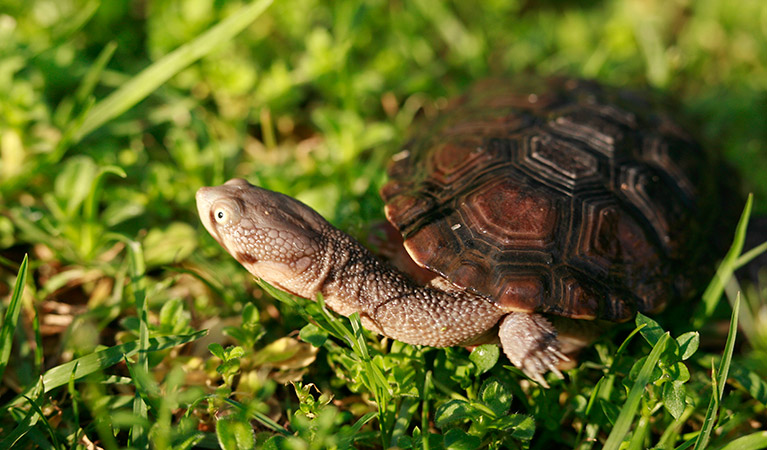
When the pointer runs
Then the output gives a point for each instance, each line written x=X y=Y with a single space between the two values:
x=246 y=258
x=205 y=197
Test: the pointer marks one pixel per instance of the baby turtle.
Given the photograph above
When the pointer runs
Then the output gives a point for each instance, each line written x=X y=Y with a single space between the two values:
x=544 y=209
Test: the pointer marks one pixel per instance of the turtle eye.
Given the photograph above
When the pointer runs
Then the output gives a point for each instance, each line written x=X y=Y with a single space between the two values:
x=225 y=211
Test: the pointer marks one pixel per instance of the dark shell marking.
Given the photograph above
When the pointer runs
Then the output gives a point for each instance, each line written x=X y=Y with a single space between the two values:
x=561 y=197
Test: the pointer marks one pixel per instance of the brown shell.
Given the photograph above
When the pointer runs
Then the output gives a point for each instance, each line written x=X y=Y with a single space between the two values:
x=554 y=196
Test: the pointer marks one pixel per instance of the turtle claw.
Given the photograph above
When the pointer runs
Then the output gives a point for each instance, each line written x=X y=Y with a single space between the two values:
x=531 y=344
x=548 y=360
x=555 y=350
x=538 y=378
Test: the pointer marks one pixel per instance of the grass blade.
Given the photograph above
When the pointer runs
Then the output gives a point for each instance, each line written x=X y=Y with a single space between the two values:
x=747 y=257
x=63 y=113
x=139 y=436
x=260 y=417
x=373 y=376
x=720 y=378
x=91 y=78
x=21 y=429
x=752 y=441
x=12 y=317
x=26 y=424
x=626 y=416
x=714 y=290
x=39 y=356
x=100 y=360
x=140 y=86
x=47 y=425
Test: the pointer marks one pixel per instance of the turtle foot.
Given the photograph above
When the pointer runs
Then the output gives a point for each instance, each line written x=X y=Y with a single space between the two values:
x=530 y=342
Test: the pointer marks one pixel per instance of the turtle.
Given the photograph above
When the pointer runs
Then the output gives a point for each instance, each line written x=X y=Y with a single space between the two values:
x=543 y=210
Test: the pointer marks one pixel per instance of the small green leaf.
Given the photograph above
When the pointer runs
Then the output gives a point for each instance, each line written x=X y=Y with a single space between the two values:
x=485 y=357
x=651 y=331
x=228 y=367
x=674 y=397
x=457 y=439
x=235 y=434
x=168 y=245
x=679 y=372
x=610 y=410
x=453 y=410
x=277 y=443
x=496 y=395
x=250 y=314
x=217 y=351
x=688 y=343
x=655 y=375
x=171 y=313
x=235 y=352
x=312 y=334
x=522 y=426
x=73 y=182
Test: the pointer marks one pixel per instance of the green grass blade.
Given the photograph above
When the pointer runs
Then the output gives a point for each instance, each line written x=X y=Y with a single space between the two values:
x=100 y=360
x=752 y=441
x=47 y=425
x=640 y=433
x=65 y=29
x=91 y=78
x=139 y=434
x=140 y=86
x=260 y=417
x=720 y=378
x=21 y=429
x=12 y=316
x=63 y=114
x=747 y=257
x=714 y=290
x=426 y=399
x=686 y=444
x=26 y=424
x=626 y=341
x=39 y=356
x=626 y=416
x=75 y=396
x=373 y=376
x=90 y=205
x=146 y=389
x=672 y=432
x=751 y=381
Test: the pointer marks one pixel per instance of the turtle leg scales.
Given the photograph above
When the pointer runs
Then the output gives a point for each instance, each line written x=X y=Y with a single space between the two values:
x=530 y=342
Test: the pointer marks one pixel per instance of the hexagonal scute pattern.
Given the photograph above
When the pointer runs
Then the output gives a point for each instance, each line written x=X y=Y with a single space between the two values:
x=557 y=196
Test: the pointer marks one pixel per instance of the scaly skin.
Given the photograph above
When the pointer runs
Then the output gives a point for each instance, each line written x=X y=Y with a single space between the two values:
x=286 y=243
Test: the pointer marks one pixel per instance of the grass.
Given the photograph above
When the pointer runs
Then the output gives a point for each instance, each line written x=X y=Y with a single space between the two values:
x=127 y=325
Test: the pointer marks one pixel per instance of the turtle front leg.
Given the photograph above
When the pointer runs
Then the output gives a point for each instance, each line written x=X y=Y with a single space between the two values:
x=530 y=342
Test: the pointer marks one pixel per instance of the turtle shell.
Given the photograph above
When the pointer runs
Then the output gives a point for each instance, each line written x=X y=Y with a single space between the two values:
x=555 y=196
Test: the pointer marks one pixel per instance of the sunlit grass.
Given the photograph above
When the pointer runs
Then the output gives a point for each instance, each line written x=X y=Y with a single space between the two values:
x=128 y=325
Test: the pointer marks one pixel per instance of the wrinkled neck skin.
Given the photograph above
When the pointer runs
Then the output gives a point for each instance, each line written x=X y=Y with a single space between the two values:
x=351 y=280
x=286 y=243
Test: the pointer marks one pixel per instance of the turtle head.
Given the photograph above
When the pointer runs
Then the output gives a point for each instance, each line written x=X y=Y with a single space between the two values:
x=276 y=237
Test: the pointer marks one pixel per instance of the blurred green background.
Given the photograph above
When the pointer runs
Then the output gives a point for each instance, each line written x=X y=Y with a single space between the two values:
x=313 y=95
x=310 y=99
